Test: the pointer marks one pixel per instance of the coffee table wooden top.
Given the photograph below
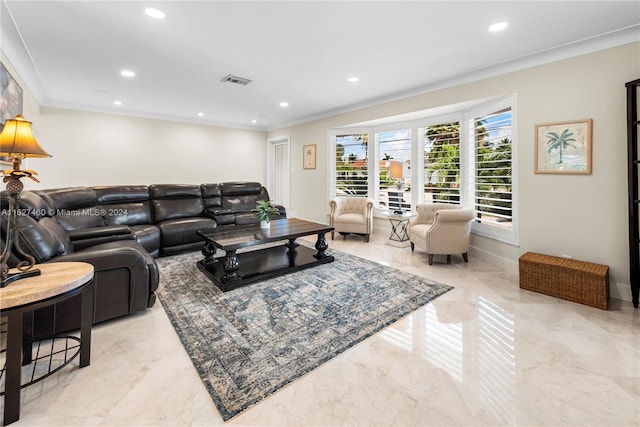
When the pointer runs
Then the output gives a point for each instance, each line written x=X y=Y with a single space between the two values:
x=233 y=238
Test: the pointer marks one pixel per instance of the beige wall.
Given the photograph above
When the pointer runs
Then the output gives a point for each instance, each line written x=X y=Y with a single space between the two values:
x=582 y=216
x=103 y=149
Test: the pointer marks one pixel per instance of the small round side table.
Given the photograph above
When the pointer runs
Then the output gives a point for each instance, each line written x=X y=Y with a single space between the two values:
x=58 y=281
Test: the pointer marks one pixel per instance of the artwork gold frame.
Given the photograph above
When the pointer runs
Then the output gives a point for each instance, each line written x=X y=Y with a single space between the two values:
x=10 y=102
x=564 y=147
x=309 y=156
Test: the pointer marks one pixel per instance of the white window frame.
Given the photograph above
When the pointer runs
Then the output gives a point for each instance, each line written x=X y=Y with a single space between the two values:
x=438 y=120
x=467 y=155
x=468 y=176
x=332 y=135
x=397 y=126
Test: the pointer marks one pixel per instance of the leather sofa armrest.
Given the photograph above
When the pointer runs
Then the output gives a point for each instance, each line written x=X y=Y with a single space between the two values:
x=221 y=216
x=281 y=209
x=114 y=256
x=84 y=238
x=107 y=258
x=90 y=233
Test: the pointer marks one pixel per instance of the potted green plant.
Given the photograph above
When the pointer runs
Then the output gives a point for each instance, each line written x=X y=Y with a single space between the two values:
x=263 y=212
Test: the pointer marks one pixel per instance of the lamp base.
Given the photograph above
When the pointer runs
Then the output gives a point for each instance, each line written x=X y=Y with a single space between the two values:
x=17 y=276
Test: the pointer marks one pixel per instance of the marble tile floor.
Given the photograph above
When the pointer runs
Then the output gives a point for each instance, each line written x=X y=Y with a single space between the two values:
x=484 y=354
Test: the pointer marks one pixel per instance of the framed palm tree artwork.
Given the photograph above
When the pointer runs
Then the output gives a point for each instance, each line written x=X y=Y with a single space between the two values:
x=564 y=147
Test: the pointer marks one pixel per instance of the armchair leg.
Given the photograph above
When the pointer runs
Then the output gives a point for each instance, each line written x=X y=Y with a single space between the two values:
x=448 y=259
x=413 y=246
x=366 y=238
x=465 y=257
x=332 y=235
x=430 y=259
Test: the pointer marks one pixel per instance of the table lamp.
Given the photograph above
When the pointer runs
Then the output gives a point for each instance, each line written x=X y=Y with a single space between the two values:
x=17 y=142
x=396 y=173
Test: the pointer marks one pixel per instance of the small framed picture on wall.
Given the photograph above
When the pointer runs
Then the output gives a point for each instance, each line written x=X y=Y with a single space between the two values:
x=564 y=147
x=309 y=156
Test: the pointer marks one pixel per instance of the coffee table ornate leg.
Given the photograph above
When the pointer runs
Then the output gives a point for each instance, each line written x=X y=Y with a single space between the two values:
x=292 y=253
x=292 y=245
x=231 y=266
x=321 y=245
x=209 y=251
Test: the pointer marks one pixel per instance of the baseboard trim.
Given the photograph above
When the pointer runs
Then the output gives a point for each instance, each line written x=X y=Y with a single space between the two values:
x=495 y=260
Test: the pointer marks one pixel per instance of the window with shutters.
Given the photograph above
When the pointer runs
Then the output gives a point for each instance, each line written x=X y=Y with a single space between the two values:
x=442 y=163
x=491 y=192
x=462 y=156
x=393 y=158
x=351 y=165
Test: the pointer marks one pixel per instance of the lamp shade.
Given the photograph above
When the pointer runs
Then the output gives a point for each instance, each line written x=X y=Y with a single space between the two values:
x=395 y=170
x=17 y=140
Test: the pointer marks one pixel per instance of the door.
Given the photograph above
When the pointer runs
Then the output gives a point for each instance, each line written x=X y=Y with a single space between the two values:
x=278 y=171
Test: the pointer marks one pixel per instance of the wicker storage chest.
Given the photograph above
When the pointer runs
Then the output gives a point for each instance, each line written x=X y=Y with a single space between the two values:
x=578 y=281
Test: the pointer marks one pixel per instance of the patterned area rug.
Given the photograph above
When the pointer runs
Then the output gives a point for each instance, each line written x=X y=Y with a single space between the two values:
x=252 y=341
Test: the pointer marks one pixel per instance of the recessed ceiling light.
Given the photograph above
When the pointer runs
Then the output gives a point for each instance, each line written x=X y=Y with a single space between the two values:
x=127 y=73
x=284 y=104
x=155 y=13
x=254 y=121
x=117 y=102
x=353 y=79
x=200 y=114
x=498 y=26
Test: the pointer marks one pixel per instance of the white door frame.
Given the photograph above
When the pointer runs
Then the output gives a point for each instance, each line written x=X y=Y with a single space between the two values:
x=271 y=169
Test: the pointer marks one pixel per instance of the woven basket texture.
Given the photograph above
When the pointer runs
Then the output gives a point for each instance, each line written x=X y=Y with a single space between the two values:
x=578 y=281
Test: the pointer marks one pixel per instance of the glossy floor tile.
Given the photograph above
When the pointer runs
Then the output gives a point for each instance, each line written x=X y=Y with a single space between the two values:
x=484 y=354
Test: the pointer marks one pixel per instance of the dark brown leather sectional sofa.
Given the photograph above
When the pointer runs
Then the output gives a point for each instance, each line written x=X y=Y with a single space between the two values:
x=121 y=230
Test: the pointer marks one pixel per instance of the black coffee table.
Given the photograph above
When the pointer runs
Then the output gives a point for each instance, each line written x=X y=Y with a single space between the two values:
x=238 y=269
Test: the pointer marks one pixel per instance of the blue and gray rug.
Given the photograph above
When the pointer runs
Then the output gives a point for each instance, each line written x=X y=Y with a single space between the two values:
x=252 y=341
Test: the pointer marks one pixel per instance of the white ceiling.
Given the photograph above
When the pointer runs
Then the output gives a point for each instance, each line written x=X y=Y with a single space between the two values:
x=70 y=53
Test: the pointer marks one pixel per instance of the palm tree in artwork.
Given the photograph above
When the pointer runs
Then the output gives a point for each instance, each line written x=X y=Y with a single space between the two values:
x=560 y=142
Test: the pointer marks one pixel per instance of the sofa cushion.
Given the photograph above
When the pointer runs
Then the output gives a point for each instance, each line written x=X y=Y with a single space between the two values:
x=235 y=188
x=245 y=218
x=212 y=195
x=131 y=213
x=168 y=209
x=244 y=202
x=61 y=235
x=121 y=193
x=175 y=201
x=36 y=240
x=70 y=198
x=173 y=191
x=30 y=204
x=77 y=219
x=74 y=207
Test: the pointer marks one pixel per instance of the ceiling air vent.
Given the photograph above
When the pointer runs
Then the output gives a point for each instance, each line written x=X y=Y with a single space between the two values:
x=235 y=79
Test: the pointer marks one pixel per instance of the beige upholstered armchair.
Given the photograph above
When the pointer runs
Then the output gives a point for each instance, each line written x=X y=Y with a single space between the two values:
x=441 y=229
x=351 y=215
